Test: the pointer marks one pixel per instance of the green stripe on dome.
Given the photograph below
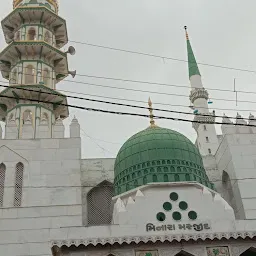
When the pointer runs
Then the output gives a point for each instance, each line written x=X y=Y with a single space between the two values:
x=192 y=64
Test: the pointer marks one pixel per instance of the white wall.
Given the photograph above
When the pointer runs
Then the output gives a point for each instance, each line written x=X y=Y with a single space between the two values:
x=51 y=193
x=237 y=156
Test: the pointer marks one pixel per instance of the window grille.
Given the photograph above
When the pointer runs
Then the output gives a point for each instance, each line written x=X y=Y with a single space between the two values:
x=99 y=203
x=18 y=184
x=2 y=178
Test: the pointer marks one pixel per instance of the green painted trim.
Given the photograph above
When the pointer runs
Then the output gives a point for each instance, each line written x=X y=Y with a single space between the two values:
x=29 y=105
x=44 y=88
x=41 y=19
x=192 y=64
x=12 y=44
x=16 y=96
x=38 y=61
x=37 y=25
x=41 y=8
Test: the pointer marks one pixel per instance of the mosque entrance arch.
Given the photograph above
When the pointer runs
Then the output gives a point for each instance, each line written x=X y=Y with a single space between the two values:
x=183 y=253
x=250 y=252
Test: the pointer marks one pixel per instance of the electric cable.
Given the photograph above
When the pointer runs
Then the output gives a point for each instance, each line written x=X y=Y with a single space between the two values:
x=119 y=104
x=126 y=113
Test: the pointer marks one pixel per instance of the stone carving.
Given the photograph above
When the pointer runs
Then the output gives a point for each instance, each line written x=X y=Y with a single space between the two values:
x=218 y=251
x=198 y=93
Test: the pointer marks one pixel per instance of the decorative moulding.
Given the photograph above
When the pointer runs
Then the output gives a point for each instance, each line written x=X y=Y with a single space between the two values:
x=146 y=239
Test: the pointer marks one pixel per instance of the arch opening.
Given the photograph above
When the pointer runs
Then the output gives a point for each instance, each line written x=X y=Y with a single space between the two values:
x=29 y=74
x=183 y=253
x=31 y=34
x=250 y=252
x=99 y=203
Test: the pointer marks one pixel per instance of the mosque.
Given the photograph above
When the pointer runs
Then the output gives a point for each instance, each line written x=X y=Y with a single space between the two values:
x=162 y=196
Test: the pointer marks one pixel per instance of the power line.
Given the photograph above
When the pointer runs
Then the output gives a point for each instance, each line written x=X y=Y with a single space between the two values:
x=161 y=56
x=142 y=82
x=138 y=101
x=126 y=113
x=155 y=92
x=138 y=81
x=119 y=104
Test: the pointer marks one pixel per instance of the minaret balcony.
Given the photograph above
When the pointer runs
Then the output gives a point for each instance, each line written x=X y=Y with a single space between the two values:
x=29 y=51
x=16 y=95
x=51 y=4
x=15 y=25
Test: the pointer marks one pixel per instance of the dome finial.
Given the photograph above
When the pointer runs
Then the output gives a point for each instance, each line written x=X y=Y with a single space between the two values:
x=151 y=116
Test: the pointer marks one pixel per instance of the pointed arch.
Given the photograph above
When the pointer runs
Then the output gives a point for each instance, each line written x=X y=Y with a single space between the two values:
x=29 y=74
x=99 y=203
x=31 y=34
x=2 y=179
x=183 y=253
x=250 y=252
x=18 y=184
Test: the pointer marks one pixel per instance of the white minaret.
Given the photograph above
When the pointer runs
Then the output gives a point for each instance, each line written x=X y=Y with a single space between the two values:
x=207 y=140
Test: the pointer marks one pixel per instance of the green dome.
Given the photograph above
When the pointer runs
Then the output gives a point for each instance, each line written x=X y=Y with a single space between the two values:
x=157 y=155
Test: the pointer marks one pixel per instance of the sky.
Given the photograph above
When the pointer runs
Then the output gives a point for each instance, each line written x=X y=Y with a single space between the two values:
x=222 y=33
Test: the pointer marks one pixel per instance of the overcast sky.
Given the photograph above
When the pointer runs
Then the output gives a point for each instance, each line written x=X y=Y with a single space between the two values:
x=221 y=33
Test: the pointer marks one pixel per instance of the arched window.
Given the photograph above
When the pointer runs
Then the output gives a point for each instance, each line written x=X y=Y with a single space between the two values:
x=29 y=74
x=145 y=181
x=166 y=179
x=46 y=76
x=27 y=116
x=187 y=176
x=31 y=34
x=154 y=178
x=99 y=203
x=250 y=252
x=183 y=253
x=14 y=76
x=2 y=179
x=228 y=193
x=18 y=184
x=47 y=37
x=176 y=177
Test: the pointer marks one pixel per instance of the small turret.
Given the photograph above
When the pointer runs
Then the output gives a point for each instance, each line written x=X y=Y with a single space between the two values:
x=252 y=121
x=58 y=129
x=241 y=125
x=227 y=126
x=74 y=128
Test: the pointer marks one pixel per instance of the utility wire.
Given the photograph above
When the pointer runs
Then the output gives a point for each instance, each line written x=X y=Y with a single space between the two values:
x=118 y=104
x=137 y=81
x=161 y=56
x=125 y=113
x=155 y=92
x=138 y=101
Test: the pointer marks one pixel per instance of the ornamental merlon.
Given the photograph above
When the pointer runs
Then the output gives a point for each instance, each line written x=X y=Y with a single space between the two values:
x=206 y=118
x=198 y=93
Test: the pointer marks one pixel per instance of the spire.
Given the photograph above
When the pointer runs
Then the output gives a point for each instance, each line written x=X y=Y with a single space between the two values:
x=192 y=64
x=151 y=116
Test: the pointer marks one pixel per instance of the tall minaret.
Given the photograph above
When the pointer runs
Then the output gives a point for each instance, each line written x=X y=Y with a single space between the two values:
x=34 y=63
x=207 y=140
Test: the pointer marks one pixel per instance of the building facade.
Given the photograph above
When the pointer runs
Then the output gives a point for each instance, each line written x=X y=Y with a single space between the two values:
x=162 y=195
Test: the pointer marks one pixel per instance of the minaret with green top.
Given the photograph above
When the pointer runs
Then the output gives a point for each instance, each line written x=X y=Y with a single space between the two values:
x=207 y=140
x=34 y=63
